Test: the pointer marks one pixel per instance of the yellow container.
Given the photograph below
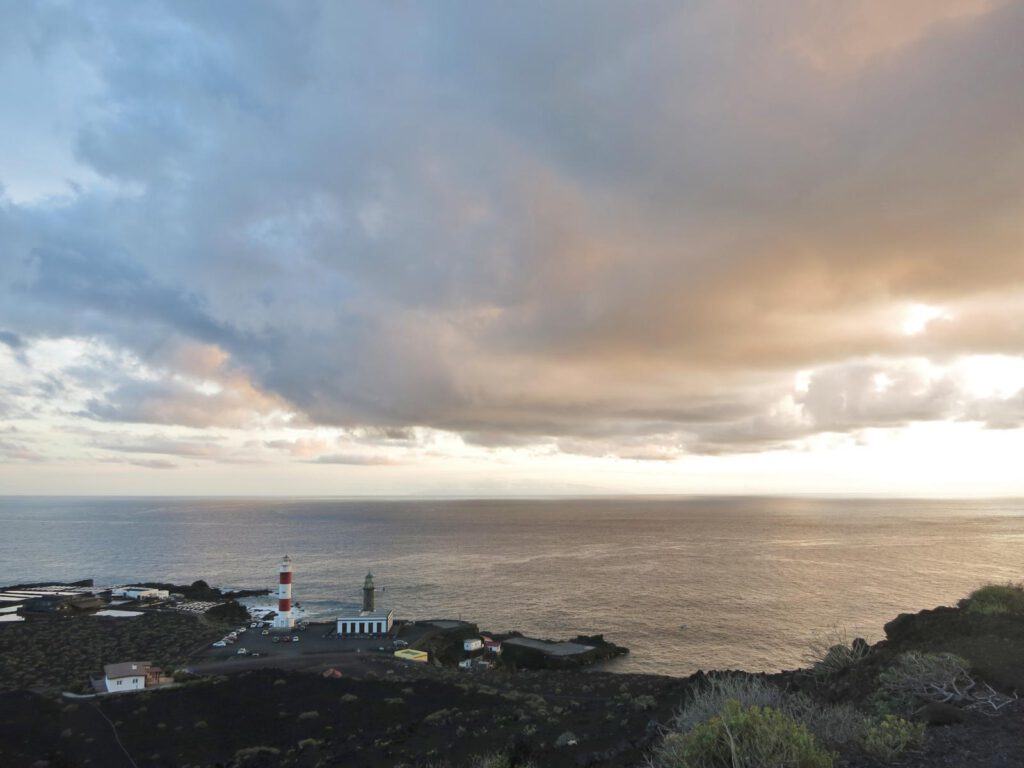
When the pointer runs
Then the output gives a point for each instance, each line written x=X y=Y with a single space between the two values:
x=408 y=654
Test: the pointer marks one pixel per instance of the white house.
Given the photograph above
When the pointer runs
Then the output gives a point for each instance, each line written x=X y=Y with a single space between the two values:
x=366 y=623
x=473 y=644
x=129 y=676
x=140 y=593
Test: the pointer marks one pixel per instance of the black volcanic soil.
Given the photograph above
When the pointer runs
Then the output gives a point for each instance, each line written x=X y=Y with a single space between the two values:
x=394 y=715
x=59 y=653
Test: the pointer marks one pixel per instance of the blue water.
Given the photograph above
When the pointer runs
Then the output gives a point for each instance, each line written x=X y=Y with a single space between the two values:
x=687 y=584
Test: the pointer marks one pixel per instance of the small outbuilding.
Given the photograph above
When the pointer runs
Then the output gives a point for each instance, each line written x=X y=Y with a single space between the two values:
x=46 y=604
x=130 y=676
x=472 y=644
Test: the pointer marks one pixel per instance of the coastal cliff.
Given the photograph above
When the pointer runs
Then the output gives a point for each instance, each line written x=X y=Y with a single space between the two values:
x=939 y=690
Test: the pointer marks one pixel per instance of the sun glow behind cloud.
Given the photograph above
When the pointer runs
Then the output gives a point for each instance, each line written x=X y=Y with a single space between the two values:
x=918 y=316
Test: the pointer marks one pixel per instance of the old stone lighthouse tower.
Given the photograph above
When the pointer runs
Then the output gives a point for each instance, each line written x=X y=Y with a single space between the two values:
x=368 y=593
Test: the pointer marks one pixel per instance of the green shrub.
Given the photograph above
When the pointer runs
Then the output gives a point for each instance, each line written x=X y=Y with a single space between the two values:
x=834 y=653
x=708 y=700
x=996 y=599
x=739 y=737
x=441 y=716
x=891 y=736
x=644 y=702
x=832 y=724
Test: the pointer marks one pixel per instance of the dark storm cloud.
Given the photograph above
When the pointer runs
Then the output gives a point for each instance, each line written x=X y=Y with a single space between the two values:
x=566 y=225
x=172 y=402
x=80 y=280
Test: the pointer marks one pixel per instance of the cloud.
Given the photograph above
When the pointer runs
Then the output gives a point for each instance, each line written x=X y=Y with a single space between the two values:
x=301 y=448
x=355 y=460
x=146 y=463
x=18 y=451
x=12 y=340
x=234 y=403
x=590 y=229
x=865 y=395
x=194 y=449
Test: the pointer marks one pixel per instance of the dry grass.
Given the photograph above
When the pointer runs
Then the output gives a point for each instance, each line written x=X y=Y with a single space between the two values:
x=833 y=724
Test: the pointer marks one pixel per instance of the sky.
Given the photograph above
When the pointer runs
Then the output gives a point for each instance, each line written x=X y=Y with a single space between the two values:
x=502 y=249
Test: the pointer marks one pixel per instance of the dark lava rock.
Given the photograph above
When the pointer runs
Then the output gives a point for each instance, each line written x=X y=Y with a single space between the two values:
x=993 y=644
x=37 y=584
x=520 y=656
x=200 y=590
x=444 y=643
x=939 y=713
x=231 y=611
x=566 y=739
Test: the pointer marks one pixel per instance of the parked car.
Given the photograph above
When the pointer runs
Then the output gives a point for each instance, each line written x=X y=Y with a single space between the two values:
x=265 y=632
x=254 y=653
x=275 y=639
x=241 y=652
x=253 y=625
x=295 y=638
x=220 y=644
x=401 y=644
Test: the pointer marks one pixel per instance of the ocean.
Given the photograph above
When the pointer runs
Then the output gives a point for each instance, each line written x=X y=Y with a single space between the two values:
x=686 y=584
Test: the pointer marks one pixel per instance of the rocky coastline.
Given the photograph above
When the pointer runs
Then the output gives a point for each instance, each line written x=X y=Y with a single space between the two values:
x=200 y=590
x=370 y=709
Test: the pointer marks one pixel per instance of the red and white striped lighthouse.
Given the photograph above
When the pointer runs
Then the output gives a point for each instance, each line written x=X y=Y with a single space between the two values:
x=284 y=619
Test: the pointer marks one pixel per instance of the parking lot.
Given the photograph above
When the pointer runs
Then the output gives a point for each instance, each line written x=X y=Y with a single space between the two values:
x=316 y=639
